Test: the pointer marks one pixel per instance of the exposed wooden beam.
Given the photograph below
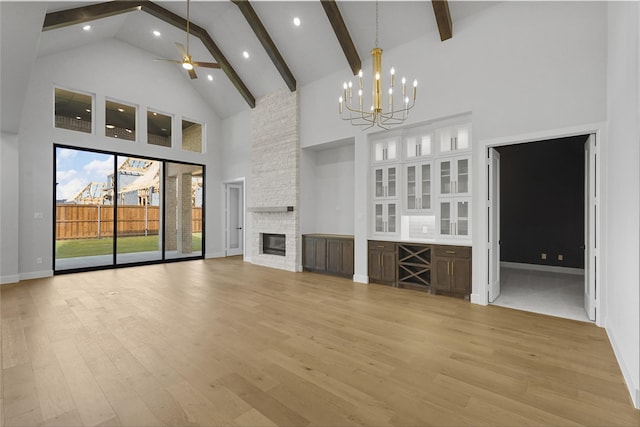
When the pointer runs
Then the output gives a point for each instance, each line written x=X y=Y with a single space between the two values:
x=342 y=33
x=102 y=10
x=443 y=18
x=268 y=44
x=82 y=14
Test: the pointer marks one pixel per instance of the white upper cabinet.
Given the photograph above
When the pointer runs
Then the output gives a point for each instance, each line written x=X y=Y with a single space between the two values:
x=418 y=187
x=385 y=150
x=455 y=218
x=454 y=138
x=455 y=176
x=418 y=146
x=385 y=182
x=385 y=217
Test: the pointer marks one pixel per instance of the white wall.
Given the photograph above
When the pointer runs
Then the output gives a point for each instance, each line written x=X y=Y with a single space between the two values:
x=235 y=165
x=9 y=190
x=330 y=189
x=107 y=69
x=622 y=196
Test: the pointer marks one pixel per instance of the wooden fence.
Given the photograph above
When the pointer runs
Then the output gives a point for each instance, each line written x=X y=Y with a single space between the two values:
x=96 y=221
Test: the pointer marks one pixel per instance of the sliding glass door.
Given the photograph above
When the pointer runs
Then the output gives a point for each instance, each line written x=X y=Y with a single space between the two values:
x=183 y=202
x=84 y=226
x=138 y=214
x=114 y=210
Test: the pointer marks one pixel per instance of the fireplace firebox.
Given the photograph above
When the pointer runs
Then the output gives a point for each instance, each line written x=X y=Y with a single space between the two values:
x=274 y=244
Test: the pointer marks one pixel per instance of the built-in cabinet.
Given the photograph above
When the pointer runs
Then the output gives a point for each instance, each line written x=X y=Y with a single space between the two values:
x=328 y=253
x=452 y=268
x=418 y=187
x=439 y=269
x=420 y=207
x=454 y=138
x=382 y=262
x=421 y=184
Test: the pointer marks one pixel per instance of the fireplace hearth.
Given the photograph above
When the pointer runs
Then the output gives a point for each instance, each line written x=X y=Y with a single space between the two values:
x=274 y=244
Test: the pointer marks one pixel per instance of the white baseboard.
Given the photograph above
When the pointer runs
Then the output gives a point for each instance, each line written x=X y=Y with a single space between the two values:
x=36 y=275
x=215 y=255
x=5 y=280
x=634 y=389
x=247 y=259
x=361 y=278
x=538 y=267
x=478 y=299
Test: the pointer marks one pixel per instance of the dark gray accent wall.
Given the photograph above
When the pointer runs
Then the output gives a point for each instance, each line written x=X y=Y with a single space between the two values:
x=542 y=202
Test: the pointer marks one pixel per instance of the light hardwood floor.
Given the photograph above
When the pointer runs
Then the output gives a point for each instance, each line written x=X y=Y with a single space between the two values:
x=222 y=342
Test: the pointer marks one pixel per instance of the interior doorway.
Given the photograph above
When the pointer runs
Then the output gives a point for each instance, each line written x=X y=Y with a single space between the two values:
x=234 y=218
x=542 y=210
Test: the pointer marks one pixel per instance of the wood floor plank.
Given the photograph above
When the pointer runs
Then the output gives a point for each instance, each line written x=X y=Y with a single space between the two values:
x=91 y=403
x=223 y=342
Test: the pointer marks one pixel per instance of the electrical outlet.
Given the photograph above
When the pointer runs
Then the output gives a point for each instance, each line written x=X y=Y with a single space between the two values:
x=543 y=256
x=560 y=257
x=39 y=260
x=37 y=215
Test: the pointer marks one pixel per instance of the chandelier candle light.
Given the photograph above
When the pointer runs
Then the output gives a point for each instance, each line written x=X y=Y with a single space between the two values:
x=376 y=116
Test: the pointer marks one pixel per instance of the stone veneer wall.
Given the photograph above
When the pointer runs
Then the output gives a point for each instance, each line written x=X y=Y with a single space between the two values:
x=275 y=176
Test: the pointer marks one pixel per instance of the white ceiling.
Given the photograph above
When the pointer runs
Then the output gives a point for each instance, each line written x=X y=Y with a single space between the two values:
x=311 y=50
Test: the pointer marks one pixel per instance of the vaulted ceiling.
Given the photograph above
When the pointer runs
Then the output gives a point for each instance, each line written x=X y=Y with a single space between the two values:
x=332 y=36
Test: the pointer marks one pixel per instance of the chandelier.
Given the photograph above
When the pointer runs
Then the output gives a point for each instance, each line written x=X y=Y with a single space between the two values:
x=397 y=110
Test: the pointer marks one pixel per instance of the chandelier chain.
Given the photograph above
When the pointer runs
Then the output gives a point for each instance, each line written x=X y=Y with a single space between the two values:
x=377 y=23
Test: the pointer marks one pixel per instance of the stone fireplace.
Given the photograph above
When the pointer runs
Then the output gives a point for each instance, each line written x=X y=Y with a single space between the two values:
x=275 y=180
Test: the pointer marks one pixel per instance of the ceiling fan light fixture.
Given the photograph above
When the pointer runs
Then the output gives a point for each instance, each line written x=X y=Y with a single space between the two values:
x=187 y=66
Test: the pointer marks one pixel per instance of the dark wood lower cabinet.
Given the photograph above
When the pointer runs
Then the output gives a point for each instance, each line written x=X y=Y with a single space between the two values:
x=382 y=262
x=437 y=269
x=326 y=253
x=452 y=265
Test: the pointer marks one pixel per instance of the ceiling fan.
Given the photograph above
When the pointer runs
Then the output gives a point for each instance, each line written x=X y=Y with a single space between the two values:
x=187 y=62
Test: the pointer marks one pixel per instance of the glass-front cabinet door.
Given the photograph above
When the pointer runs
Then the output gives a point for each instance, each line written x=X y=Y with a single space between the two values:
x=446 y=218
x=455 y=178
x=385 y=181
x=385 y=218
x=454 y=138
x=418 y=186
x=419 y=146
x=463 y=218
x=385 y=150
x=455 y=218
x=462 y=186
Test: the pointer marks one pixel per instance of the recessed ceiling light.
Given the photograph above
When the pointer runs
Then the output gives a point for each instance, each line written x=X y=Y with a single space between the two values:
x=78 y=118
x=88 y=110
x=245 y=54
x=155 y=114
x=129 y=130
x=296 y=21
x=86 y=27
x=210 y=77
x=121 y=110
x=156 y=33
x=110 y=126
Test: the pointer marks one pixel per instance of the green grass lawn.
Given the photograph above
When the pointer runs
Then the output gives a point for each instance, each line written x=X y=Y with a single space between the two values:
x=126 y=245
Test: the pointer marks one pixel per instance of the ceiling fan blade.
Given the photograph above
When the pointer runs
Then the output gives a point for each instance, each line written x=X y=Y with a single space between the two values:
x=192 y=74
x=167 y=60
x=206 y=64
x=182 y=50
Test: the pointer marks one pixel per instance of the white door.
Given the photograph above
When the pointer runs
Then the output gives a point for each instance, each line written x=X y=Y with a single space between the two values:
x=234 y=219
x=590 y=215
x=493 y=205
